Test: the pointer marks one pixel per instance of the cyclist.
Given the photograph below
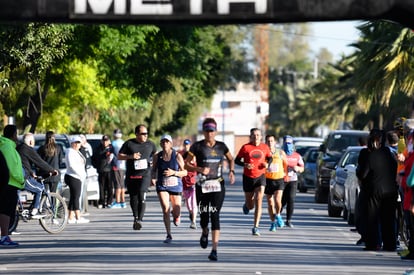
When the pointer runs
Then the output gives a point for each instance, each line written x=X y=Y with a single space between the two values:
x=30 y=158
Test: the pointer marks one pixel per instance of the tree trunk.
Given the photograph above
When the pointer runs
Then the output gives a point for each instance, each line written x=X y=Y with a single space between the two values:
x=34 y=108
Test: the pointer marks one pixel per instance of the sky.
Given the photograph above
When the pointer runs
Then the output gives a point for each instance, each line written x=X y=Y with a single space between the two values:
x=335 y=36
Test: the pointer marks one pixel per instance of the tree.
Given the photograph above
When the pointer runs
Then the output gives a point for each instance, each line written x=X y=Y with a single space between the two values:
x=27 y=53
x=383 y=68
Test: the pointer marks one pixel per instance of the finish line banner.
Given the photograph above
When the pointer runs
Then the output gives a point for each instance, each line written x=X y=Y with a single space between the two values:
x=205 y=11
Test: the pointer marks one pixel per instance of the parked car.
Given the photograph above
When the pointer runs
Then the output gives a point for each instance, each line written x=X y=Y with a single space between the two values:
x=351 y=195
x=330 y=152
x=302 y=144
x=307 y=179
x=336 y=199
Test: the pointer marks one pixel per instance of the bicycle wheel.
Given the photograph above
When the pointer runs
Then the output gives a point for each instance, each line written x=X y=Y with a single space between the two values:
x=55 y=212
x=14 y=221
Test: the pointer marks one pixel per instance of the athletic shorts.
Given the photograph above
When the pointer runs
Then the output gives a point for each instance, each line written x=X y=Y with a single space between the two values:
x=8 y=200
x=273 y=185
x=118 y=177
x=249 y=184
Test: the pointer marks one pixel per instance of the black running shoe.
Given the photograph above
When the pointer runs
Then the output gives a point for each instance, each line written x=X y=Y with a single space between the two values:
x=204 y=241
x=213 y=255
x=137 y=225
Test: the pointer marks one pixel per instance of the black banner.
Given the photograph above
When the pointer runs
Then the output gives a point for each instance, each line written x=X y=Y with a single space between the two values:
x=205 y=11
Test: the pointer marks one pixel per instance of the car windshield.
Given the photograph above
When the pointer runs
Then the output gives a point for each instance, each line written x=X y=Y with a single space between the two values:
x=340 y=142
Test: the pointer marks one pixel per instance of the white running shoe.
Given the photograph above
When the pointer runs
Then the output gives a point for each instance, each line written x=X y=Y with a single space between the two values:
x=82 y=220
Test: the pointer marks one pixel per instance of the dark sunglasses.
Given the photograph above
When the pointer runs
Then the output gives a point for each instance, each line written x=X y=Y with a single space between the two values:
x=143 y=134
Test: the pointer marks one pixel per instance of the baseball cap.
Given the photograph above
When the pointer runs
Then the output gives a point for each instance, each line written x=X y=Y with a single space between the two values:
x=288 y=139
x=209 y=126
x=187 y=141
x=167 y=137
x=117 y=133
x=76 y=139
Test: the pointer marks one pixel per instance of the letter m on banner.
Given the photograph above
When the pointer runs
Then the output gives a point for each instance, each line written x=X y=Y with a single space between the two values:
x=120 y=7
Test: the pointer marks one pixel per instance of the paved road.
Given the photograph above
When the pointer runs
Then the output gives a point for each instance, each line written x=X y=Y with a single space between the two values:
x=108 y=245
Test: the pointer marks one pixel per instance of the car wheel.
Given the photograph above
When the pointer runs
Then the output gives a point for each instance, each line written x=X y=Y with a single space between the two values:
x=333 y=211
x=345 y=213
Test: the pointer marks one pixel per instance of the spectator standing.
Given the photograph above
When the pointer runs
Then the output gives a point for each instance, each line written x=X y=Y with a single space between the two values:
x=408 y=196
x=254 y=156
x=295 y=166
x=189 y=190
x=87 y=152
x=138 y=153
x=75 y=175
x=118 y=171
x=53 y=155
x=102 y=161
x=275 y=175
x=31 y=159
x=377 y=170
x=11 y=180
x=210 y=191
x=167 y=170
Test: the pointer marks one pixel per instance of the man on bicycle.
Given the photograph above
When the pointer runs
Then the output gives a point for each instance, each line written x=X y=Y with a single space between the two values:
x=30 y=158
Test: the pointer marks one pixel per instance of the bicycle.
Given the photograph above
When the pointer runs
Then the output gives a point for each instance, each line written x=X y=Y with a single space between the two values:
x=53 y=210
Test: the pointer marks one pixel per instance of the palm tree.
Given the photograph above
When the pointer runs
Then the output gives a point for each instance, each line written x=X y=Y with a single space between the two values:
x=383 y=65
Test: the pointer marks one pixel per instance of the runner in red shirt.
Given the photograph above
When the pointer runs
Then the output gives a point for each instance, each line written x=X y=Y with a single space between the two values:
x=254 y=157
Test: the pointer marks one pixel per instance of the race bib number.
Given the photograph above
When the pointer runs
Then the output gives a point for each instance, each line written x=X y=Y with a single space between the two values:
x=210 y=186
x=140 y=164
x=170 y=181
x=274 y=167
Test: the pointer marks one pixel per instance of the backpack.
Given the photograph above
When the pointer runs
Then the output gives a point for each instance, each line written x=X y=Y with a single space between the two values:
x=276 y=169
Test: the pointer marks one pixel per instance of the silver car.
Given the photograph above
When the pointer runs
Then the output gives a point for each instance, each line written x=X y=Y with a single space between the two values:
x=336 y=198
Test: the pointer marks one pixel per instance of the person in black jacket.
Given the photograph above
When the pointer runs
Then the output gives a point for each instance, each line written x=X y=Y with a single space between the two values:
x=377 y=170
x=30 y=158
x=52 y=153
x=102 y=161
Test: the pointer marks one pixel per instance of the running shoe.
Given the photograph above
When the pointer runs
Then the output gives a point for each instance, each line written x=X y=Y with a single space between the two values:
x=193 y=225
x=6 y=242
x=279 y=221
x=289 y=224
x=72 y=221
x=38 y=216
x=82 y=220
x=114 y=205
x=245 y=209
x=204 y=241
x=137 y=225
x=123 y=205
x=273 y=227
x=168 y=239
x=255 y=231
x=177 y=221
x=213 y=255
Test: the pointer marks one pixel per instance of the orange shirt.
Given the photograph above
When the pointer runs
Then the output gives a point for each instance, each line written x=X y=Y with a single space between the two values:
x=256 y=156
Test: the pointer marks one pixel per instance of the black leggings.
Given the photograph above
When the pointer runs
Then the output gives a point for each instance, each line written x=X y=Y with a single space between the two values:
x=209 y=206
x=137 y=196
x=75 y=187
x=288 y=198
